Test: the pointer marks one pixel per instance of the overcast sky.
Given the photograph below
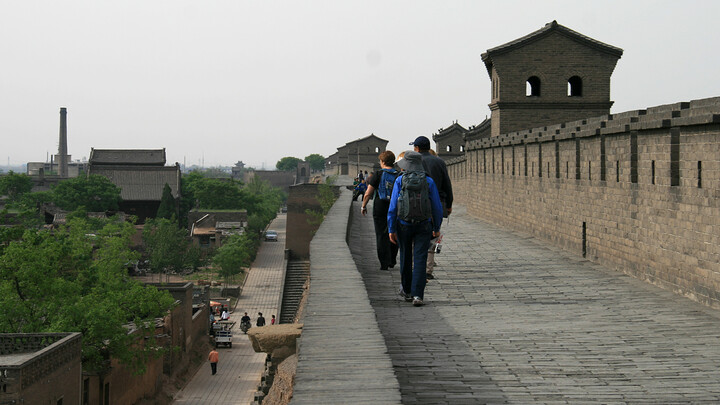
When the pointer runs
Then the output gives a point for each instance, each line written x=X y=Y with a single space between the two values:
x=258 y=80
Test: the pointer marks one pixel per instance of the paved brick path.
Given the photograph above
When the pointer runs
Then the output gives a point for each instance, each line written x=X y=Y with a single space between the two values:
x=509 y=320
x=240 y=368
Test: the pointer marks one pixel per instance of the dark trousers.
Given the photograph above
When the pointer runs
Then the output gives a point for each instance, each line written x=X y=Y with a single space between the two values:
x=213 y=366
x=414 y=241
x=386 y=251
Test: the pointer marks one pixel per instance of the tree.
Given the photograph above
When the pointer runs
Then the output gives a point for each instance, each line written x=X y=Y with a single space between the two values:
x=287 y=163
x=74 y=279
x=166 y=245
x=167 y=204
x=317 y=162
x=15 y=185
x=217 y=194
x=96 y=193
x=236 y=253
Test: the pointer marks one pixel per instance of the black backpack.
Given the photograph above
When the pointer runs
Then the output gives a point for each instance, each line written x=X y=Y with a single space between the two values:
x=414 y=198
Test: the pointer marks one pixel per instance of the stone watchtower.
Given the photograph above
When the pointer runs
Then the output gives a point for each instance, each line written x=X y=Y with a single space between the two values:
x=549 y=76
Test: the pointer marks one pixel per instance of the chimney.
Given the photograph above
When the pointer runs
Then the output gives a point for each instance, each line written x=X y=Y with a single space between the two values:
x=62 y=151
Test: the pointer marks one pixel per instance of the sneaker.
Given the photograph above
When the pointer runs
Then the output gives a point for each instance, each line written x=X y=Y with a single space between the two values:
x=429 y=276
x=407 y=297
x=417 y=302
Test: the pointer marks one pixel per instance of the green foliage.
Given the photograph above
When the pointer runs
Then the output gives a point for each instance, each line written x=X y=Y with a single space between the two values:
x=217 y=172
x=288 y=163
x=326 y=198
x=317 y=162
x=236 y=253
x=217 y=194
x=167 y=247
x=74 y=279
x=326 y=195
x=167 y=204
x=14 y=185
x=96 y=193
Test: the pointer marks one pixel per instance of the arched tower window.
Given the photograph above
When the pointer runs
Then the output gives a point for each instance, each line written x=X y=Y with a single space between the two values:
x=377 y=149
x=303 y=173
x=575 y=87
x=462 y=148
x=532 y=87
x=448 y=148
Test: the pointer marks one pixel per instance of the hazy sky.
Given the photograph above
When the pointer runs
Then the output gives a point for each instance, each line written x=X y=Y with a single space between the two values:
x=259 y=80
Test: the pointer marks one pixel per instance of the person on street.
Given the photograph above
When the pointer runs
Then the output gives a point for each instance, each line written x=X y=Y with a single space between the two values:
x=412 y=222
x=379 y=188
x=260 y=320
x=436 y=168
x=214 y=357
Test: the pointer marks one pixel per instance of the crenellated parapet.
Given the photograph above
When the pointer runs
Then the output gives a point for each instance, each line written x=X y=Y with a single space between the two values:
x=638 y=191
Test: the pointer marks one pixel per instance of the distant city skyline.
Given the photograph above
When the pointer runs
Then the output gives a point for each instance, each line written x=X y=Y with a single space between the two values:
x=218 y=82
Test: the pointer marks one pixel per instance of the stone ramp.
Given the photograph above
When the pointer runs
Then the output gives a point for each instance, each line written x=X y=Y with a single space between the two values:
x=342 y=357
x=509 y=320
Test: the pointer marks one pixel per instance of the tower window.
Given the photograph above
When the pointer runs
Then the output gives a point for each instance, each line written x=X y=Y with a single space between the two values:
x=448 y=148
x=462 y=148
x=575 y=87
x=532 y=87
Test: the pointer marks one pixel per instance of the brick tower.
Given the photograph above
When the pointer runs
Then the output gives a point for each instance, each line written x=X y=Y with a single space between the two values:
x=549 y=76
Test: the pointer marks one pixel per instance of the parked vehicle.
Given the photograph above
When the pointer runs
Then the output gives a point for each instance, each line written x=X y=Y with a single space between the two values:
x=271 y=236
x=223 y=333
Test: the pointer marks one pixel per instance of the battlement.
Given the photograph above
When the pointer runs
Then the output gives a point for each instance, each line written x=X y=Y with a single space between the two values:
x=638 y=191
x=696 y=112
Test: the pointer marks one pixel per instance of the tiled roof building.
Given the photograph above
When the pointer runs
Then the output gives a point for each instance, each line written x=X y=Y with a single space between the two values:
x=141 y=175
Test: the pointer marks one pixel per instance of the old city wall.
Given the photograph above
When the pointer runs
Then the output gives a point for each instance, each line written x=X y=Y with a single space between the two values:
x=637 y=191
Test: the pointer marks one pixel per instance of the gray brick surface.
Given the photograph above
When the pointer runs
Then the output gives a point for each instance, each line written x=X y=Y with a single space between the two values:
x=509 y=320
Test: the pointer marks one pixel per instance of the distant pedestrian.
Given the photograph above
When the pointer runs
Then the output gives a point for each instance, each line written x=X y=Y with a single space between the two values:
x=260 y=319
x=225 y=315
x=380 y=186
x=359 y=190
x=214 y=357
x=272 y=320
x=414 y=217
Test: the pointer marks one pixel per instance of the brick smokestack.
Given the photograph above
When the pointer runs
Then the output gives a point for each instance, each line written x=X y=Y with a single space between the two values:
x=62 y=150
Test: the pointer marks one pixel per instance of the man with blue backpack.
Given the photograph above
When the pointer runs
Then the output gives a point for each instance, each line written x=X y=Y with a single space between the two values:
x=379 y=188
x=414 y=217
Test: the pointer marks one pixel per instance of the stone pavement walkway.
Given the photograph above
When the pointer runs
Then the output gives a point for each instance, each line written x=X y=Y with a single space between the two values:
x=510 y=320
x=240 y=368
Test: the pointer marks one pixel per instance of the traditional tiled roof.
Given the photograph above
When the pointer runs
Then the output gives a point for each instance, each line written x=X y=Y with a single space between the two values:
x=543 y=32
x=482 y=130
x=127 y=157
x=366 y=138
x=448 y=131
x=141 y=183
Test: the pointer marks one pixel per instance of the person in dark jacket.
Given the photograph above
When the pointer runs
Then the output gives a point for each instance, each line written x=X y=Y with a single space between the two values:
x=387 y=252
x=260 y=320
x=436 y=168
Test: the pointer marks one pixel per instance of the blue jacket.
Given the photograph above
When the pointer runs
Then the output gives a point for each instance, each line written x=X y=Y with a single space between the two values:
x=437 y=211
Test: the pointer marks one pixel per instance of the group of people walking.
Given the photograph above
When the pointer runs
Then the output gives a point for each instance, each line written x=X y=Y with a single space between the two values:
x=409 y=205
x=214 y=356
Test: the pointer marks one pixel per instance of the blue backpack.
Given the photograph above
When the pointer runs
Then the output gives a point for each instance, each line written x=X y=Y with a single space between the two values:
x=387 y=180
